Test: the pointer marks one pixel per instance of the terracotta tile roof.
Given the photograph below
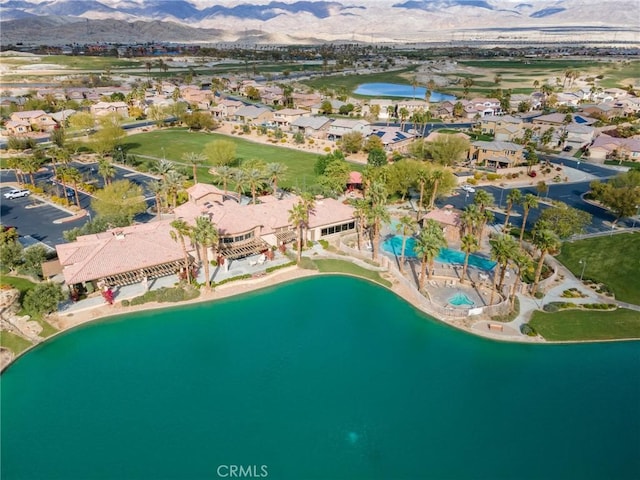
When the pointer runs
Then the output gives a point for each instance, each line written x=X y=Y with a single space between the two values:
x=92 y=257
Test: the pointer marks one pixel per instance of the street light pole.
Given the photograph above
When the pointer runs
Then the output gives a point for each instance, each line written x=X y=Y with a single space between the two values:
x=501 y=193
x=583 y=262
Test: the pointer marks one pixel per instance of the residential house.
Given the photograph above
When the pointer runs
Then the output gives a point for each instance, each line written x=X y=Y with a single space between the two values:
x=485 y=106
x=316 y=109
x=503 y=127
x=496 y=154
x=101 y=109
x=283 y=118
x=315 y=127
x=605 y=147
x=559 y=119
x=603 y=110
x=17 y=127
x=305 y=100
x=393 y=138
x=38 y=120
x=253 y=115
x=225 y=108
x=579 y=136
x=340 y=126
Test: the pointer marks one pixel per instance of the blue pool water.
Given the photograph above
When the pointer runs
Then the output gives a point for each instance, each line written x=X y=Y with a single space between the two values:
x=397 y=90
x=394 y=245
x=460 y=300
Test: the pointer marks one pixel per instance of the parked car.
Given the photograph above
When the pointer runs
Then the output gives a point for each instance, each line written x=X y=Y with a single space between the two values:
x=468 y=188
x=17 y=193
x=568 y=148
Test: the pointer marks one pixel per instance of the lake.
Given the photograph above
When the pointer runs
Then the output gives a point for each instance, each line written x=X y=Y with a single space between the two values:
x=323 y=378
x=398 y=90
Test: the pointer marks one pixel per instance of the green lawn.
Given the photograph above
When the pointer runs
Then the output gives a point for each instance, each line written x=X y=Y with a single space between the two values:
x=13 y=342
x=633 y=165
x=343 y=266
x=177 y=141
x=587 y=324
x=25 y=285
x=613 y=260
x=350 y=82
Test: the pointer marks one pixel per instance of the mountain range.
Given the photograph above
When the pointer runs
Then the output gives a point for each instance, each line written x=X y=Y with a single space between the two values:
x=56 y=21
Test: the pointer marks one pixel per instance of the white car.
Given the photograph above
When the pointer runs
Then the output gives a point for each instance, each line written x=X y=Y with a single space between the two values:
x=468 y=188
x=17 y=193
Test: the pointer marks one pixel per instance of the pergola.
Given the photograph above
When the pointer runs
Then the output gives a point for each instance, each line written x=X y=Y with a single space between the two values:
x=137 y=276
x=244 y=249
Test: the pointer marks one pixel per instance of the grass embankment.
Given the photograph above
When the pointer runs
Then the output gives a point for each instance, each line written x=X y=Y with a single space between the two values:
x=178 y=141
x=13 y=342
x=342 y=266
x=349 y=83
x=572 y=325
x=612 y=260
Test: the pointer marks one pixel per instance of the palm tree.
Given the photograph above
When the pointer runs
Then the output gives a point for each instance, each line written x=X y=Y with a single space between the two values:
x=73 y=176
x=427 y=247
x=503 y=249
x=181 y=229
x=173 y=184
x=15 y=163
x=30 y=165
x=546 y=241
x=414 y=84
x=360 y=206
x=62 y=178
x=404 y=114
x=523 y=262
x=297 y=216
x=240 y=177
x=162 y=167
x=205 y=234
x=483 y=199
x=391 y=112
x=406 y=227
x=470 y=220
x=255 y=181
x=468 y=244
x=436 y=176
x=486 y=217
x=225 y=173
x=157 y=188
x=194 y=159
x=106 y=170
x=530 y=201
x=513 y=198
x=376 y=215
x=423 y=175
x=275 y=171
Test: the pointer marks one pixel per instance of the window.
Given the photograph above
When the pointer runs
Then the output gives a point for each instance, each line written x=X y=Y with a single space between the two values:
x=337 y=229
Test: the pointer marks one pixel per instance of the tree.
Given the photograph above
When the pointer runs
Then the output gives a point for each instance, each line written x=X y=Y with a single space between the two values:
x=545 y=241
x=542 y=188
x=194 y=159
x=119 y=201
x=106 y=170
x=162 y=167
x=157 y=188
x=108 y=135
x=43 y=299
x=326 y=108
x=255 y=181
x=224 y=174
x=423 y=176
x=373 y=142
x=437 y=176
x=173 y=183
x=73 y=176
x=221 y=152
x=335 y=177
x=406 y=227
x=377 y=213
x=447 y=149
x=352 y=142
x=530 y=201
x=205 y=235
x=483 y=199
x=33 y=257
x=198 y=120
x=182 y=230
x=10 y=249
x=513 y=198
x=503 y=249
x=30 y=165
x=564 y=220
x=427 y=247
x=297 y=217
x=468 y=244
x=547 y=136
x=58 y=137
x=458 y=110
x=377 y=157
x=275 y=171
x=621 y=194
x=82 y=121
x=360 y=207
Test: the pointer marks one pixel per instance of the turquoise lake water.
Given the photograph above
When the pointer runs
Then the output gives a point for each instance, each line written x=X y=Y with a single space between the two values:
x=393 y=245
x=322 y=378
x=399 y=90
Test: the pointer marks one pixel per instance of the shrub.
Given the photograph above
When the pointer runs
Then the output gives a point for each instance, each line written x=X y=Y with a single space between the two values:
x=528 y=330
x=166 y=294
x=278 y=267
x=539 y=295
x=324 y=243
x=493 y=176
x=477 y=175
x=472 y=181
x=125 y=303
x=232 y=279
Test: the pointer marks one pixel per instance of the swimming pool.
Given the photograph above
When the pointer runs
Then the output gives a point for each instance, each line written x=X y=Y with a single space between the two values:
x=398 y=90
x=394 y=245
x=461 y=300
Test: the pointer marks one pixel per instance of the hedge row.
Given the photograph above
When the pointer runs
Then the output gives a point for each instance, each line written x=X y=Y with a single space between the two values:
x=164 y=294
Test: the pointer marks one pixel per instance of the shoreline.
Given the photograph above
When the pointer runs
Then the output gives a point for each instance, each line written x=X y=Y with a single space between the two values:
x=67 y=323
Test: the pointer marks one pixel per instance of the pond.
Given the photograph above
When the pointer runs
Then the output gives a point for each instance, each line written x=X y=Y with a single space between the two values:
x=327 y=377
x=398 y=90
